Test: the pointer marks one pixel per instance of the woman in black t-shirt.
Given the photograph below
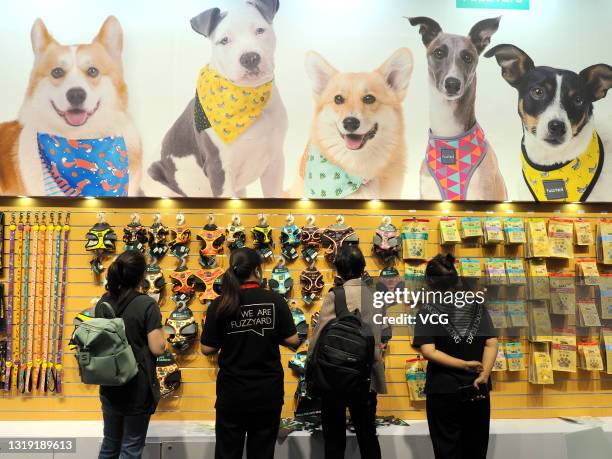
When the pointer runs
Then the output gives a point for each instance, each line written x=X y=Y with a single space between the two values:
x=461 y=347
x=127 y=409
x=246 y=325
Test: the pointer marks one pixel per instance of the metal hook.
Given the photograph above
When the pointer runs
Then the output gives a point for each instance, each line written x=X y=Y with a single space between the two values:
x=59 y=218
x=101 y=217
x=236 y=220
x=340 y=220
x=211 y=219
x=135 y=218
x=386 y=220
x=180 y=219
x=157 y=218
x=310 y=220
x=262 y=219
x=281 y=262
x=290 y=219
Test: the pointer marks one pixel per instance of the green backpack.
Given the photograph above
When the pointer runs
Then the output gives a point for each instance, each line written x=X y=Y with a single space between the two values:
x=103 y=353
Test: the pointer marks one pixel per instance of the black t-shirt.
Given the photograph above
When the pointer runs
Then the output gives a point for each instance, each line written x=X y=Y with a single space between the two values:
x=442 y=379
x=250 y=375
x=140 y=395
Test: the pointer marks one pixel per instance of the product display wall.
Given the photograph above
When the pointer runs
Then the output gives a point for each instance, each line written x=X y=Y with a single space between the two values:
x=524 y=393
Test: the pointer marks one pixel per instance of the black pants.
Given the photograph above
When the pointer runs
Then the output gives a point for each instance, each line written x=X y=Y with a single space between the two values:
x=459 y=430
x=124 y=436
x=363 y=416
x=259 y=427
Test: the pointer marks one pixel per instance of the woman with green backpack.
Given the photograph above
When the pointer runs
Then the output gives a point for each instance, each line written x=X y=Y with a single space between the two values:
x=127 y=409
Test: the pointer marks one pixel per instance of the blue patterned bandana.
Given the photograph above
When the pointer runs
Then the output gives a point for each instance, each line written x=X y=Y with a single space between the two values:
x=84 y=167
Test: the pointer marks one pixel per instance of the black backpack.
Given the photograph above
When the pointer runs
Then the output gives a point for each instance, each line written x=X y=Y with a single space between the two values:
x=341 y=362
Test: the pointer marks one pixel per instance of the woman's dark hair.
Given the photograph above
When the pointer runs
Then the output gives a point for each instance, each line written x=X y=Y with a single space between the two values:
x=441 y=273
x=243 y=263
x=125 y=274
x=350 y=262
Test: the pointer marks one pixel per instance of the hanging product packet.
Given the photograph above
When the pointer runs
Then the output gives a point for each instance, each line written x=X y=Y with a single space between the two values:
x=605 y=296
x=564 y=350
x=563 y=293
x=587 y=272
x=516 y=272
x=497 y=312
x=604 y=242
x=538 y=282
x=606 y=339
x=540 y=365
x=493 y=233
x=414 y=239
x=538 y=244
x=561 y=237
x=584 y=233
x=589 y=356
x=416 y=370
x=414 y=275
x=469 y=267
x=470 y=227
x=500 y=360
x=449 y=231
x=496 y=271
x=514 y=356
x=540 y=327
x=588 y=316
x=514 y=229
x=517 y=313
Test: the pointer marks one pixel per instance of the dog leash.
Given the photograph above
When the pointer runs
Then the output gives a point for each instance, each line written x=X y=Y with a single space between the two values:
x=47 y=307
x=60 y=333
x=23 y=340
x=39 y=292
x=17 y=300
x=33 y=271
x=9 y=312
x=51 y=379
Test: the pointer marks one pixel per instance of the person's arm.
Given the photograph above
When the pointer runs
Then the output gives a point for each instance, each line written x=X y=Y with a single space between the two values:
x=293 y=341
x=208 y=350
x=287 y=332
x=210 y=339
x=156 y=342
x=430 y=352
x=489 y=354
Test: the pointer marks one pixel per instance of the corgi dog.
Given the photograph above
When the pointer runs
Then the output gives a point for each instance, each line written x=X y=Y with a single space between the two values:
x=74 y=135
x=357 y=148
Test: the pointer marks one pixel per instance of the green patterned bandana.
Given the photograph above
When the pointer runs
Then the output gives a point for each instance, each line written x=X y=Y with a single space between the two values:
x=326 y=180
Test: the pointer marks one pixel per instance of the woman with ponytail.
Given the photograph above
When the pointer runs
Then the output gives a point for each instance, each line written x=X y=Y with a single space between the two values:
x=127 y=409
x=246 y=325
x=455 y=334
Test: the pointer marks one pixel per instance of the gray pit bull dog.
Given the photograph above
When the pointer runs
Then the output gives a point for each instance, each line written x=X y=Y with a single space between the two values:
x=232 y=132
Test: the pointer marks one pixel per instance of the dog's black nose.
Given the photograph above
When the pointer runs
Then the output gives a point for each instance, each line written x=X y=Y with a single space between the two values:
x=76 y=96
x=557 y=128
x=351 y=124
x=452 y=85
x=250 y=60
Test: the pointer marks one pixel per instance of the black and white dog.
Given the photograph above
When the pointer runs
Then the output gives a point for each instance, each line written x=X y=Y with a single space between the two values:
x=563 y=152
x=220 y=145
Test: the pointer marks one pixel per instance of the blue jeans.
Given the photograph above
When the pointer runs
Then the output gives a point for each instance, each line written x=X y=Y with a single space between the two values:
x=124 y=436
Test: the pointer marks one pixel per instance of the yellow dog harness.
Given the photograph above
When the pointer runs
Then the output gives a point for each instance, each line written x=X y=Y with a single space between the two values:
x=226 y=108
x=572 y=181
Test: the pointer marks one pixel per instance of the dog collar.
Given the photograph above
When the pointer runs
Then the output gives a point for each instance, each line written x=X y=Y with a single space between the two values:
x=84 y=167
x=226 y=108
x=452 y=161
x=326 y=180
x=572 y=181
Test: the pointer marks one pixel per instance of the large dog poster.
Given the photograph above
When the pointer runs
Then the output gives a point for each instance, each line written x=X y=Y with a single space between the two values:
x=318 y=99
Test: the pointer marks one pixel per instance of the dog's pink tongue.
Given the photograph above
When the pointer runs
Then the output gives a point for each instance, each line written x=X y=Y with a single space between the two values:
x=353 y=142
x=76 y=117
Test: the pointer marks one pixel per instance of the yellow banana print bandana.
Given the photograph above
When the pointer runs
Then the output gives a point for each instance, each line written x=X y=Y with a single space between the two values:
x=572 y=181
x=226 y=108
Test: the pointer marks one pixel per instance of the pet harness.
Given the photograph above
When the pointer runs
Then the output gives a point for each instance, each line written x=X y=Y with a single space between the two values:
x=181 y=288
x=84 y=167
x=135 y=237
x=236 y=236
x=158 y=245
x=311 y=242
x=290 y=238
x=324 y=179
x=332 y=239
x=312 y=283
x=179 y=242
x=281 y=281
x=212 y=239
x=452 y=161
x=387 y=242
x=226 y=108
x=571 y=181
x=262 y=238
x=300 y=322
x=154 y=281
x=206 y=283
x=168 y=374
x=101 y=239
x=181 y=329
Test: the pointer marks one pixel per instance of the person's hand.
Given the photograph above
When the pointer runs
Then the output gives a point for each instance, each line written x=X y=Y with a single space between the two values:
x=473 y=366
x=482 y=379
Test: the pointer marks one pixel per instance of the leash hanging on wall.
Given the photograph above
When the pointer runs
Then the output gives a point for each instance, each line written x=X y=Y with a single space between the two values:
x=23 y=339
x=62 y=306
x=39 y=294
x=48 y=293
x=10 y=305
x=26 y=373
x=51 y=371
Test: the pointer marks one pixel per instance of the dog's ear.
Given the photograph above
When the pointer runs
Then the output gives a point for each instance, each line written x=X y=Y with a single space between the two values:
x=598 y=80
x=267 y=8
x=514 y=62
x=41 y=38
x=319 y=70
x=206 y=22
x=482 y=32
x=397 y=71
x=429 y=29
x=111 y=37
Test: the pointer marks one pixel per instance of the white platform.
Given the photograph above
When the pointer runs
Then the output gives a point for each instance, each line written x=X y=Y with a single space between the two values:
x=510 y=439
